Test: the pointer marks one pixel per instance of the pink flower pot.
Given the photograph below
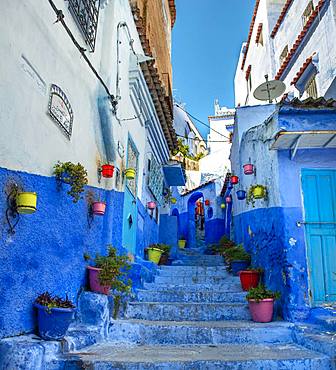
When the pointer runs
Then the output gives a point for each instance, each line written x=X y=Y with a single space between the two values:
x=94 y=281
x=248 y=169
x=151 y=205
x=98 y=208
x=262 y=311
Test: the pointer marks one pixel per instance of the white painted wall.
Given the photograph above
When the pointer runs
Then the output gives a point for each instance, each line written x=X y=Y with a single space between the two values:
x=35 y=54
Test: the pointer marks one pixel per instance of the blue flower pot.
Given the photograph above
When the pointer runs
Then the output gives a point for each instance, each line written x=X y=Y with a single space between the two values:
x=53 y=323
x=241 y=194
x=240 y=265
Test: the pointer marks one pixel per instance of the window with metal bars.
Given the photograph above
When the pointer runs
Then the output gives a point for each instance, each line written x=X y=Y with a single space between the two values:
x=311 y=88
x=307 y=13
x=85 y=13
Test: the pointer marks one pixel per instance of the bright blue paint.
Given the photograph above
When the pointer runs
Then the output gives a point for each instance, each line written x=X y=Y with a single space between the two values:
x=168 y=232
x=191 y=218
x=319 y=194
x=214 y=230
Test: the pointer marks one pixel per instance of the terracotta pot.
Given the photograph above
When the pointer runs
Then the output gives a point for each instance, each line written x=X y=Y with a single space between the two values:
x=98 y=208
x=207 y=202
x=107 y=170
x=95 y=285
x=249 y=279
x=234 y=180
x=248 y=169
x=262 y=311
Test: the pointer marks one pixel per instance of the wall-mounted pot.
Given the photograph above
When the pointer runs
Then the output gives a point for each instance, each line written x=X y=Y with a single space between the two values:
x=241 y=194
x=151 y=205
x=223 y=205
x=107 y=170
x=248 y=169
x=173 y=200
x=26 y=202
x=259 y=192
x=207 y=202
x=130 y=173
x=228 y=199
x=98 y=208
x=234 y=180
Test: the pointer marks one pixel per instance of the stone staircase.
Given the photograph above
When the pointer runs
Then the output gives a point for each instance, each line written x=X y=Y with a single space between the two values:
x=195 y=316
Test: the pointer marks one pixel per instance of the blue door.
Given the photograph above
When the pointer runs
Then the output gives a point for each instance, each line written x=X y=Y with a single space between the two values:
x=319 y=195
x=130 y=196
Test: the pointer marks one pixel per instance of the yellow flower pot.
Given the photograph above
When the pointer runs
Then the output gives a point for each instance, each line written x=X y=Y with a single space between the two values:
x=182 y=243
x=154 y=255
x=258 y=192
x=26 y=202
x=130 y=173
x=223 y=205
x=173 y=200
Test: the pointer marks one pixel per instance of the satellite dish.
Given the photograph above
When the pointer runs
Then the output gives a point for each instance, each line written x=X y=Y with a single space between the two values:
x=269 y=90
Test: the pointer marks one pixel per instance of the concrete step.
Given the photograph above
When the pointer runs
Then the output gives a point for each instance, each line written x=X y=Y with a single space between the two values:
x=194 y=279
x=193 y=270
x=199 y=332
x=172 y=295
x=177 y=311
x=230 y=286
x=107 y=356
x=197 y=263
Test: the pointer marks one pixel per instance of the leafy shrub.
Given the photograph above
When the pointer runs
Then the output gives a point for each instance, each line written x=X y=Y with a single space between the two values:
x=50 y=301
x=260 y=292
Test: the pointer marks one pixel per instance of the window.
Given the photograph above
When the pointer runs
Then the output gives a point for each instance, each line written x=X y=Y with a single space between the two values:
x=85 y=13
x=249 y=82
x=259 y=39
x=283 y=54
x=311 y=88
x=307 y=13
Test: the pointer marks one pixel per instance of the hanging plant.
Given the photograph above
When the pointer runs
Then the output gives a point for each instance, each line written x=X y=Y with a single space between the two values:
x=256 y=192
x=73 y=174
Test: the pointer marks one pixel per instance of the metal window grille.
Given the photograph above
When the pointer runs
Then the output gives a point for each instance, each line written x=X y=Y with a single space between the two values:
x=307 y=13
x=311 y=88
x=283 y=54
x=85 y=13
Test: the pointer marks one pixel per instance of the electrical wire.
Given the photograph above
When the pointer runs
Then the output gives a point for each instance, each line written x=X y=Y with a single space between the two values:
x=208 y=141
x=204 y=124
x=60 y=18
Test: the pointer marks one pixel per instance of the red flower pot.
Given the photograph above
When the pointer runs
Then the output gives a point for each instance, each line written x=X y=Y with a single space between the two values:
x=98 y=208
x=151 y=205
x=228 y=199
x=207 y=202
x=262 y=311
x=249 y=279
x=234 y=180
x=107 y=170
x=248 y=169
x=94 y=281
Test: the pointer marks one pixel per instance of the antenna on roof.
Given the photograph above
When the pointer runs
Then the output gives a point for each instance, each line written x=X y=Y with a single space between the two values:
x=269 y=90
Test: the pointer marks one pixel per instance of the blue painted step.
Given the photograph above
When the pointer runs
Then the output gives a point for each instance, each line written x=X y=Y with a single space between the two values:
x=199 y=332
x=193 y=270
x=181 y=311
x=194 y=279
x=196 y=357
x=232 y=286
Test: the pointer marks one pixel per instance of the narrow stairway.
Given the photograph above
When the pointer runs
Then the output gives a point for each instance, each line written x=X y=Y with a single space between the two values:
x=195 y=316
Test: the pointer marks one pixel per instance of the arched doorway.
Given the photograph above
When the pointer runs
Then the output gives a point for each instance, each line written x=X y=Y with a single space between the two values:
x=193 y=227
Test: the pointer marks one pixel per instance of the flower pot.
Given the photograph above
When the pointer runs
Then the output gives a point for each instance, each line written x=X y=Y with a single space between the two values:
x=207 y=202
x=234 y=180
x=26 y=202
x=151 y=205
x=248 y=169
x=228 y=199
x=164 y=259
x=259 y=192
x=241 y=194
x=98 y=208
x=53 y=323
x=223 y=205
x=130 y=173
x=107 y=170
x=249 y=279
x=95 y=285
x=262 y=311
x=154 y=255
x=182 y=243
x=173 y=200
x=239 y=265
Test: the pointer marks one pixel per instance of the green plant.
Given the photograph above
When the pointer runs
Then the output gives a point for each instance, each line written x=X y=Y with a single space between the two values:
x=184 y=150
x=260 y=270
x=236 y=253
x=164 y=247
x=73 y=174
x=250 y=197
x=114 y=270
x=50 y=301
x=260 y=292
x=226 y=242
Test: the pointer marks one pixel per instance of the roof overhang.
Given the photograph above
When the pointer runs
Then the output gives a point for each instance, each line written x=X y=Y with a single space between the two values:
x=295 y=140
x=174 y=174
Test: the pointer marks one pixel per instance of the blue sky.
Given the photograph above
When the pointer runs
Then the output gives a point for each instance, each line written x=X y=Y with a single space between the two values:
x=207 y=38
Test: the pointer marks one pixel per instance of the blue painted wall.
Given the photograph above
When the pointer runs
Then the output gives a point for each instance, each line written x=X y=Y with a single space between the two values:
x=46 y=252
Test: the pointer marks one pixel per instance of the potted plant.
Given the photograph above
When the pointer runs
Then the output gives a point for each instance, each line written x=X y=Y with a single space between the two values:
x=165 y=253
x=26 y=202
x=237 y=258
x=241 y=194
x=173 y=200
x=234 y=180
x=182 y=243
x=73 y=174
x=151 y=205
x=54 y=316
x=107 y=170
x=250 y=278
x=228 y=199
x=261 y=303
x=98 y=208
x=248 y=169
x=130 y=173
x=109 y=276
x=154 y=253
x=256 y=192
x=223 y=205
